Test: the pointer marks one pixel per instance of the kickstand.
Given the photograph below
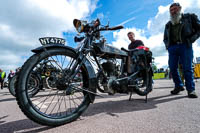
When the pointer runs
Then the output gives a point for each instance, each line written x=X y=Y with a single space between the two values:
x=146 y=99
x=130 y=95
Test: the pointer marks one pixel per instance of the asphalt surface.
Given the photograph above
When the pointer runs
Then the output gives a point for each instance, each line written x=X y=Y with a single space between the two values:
x=163 y=113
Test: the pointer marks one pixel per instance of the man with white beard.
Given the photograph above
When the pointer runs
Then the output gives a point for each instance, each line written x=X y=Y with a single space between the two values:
x=180 y=32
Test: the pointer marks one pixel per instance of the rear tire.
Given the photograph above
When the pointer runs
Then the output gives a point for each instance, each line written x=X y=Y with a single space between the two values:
x=144 y=85
x=52 y=107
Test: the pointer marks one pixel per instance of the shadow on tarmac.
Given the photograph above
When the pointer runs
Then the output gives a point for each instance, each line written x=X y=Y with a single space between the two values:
x=164 y=87
x=7 y=99
x=25 y=126
x=3 y=118
x=4 y=93
x=21 y=125
x=122 y=106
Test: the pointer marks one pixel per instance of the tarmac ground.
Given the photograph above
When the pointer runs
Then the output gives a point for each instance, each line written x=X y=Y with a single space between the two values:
x=163 y=113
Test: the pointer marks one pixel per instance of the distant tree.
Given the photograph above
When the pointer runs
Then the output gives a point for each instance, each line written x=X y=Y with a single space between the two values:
x=155 y=69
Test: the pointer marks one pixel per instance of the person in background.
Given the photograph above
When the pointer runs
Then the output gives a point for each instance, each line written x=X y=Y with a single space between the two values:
x=10 y=75
x=180 y=32
x=2 y=78
x=167 y=74
x=134 y=44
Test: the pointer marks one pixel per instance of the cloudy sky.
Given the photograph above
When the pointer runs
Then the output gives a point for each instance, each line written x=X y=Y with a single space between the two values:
x=24 y=21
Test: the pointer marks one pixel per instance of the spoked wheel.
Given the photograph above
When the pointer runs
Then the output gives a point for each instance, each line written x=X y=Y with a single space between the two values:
x=34 y=84
x=59 y=105
x=144 y=79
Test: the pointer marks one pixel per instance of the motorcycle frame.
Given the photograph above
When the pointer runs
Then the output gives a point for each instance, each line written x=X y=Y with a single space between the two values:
x=81 y=59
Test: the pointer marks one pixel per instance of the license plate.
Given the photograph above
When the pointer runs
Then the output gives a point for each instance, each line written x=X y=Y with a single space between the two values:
x=52 y=40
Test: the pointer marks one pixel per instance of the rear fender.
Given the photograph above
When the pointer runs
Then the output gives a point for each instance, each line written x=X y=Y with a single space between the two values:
x=89 y=68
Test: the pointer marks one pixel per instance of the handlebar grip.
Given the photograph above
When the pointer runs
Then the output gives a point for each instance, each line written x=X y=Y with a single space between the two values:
x=124 y=49
x=116 y=28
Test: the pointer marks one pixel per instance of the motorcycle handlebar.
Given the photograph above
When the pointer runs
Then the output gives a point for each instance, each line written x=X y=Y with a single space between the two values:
x=116 y=28
x=124 y=49
x=129 y=50
x=111 y=28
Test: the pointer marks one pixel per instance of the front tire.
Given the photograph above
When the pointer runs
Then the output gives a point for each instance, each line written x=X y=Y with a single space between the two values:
x=52 y=107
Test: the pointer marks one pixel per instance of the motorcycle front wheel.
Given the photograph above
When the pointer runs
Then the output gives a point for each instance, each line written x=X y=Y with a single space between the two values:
x=59 y=105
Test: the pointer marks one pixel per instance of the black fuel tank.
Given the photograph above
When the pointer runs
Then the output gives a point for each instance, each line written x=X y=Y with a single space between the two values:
x=108 y=51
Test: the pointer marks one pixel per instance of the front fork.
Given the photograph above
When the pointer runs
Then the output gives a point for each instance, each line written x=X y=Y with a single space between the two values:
x=79 y=61
x=75 y=65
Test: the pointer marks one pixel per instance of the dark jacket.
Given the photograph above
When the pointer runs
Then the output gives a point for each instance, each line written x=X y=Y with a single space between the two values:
x=135 y=44
x=190 y=30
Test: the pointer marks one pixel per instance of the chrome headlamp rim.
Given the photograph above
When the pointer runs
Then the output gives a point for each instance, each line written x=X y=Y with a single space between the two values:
x=79 y=25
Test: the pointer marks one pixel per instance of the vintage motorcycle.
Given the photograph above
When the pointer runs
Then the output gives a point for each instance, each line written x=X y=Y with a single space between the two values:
x=34 y=82
x=93 y=66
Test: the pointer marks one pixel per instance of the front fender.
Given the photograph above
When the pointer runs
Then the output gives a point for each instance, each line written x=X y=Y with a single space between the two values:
x=48 y=47
x=90 y=70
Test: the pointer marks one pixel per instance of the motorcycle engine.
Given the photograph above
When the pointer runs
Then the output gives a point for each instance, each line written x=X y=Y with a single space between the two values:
x=109 y=67
x=111 y=70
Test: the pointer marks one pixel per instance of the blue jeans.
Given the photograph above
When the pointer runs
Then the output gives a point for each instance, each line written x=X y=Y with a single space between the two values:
x=182 y=53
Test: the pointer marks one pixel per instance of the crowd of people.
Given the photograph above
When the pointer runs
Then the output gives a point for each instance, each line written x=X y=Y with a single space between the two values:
x=3 y=77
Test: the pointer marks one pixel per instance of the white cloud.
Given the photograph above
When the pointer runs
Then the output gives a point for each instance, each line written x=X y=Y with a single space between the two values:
x=160 y=61
x=130 y=19
x=196 y=49
x=187 y=4
x=64 y=10
x=24 y=21
x=162 y=10
x=10 y=61
x=156 y=24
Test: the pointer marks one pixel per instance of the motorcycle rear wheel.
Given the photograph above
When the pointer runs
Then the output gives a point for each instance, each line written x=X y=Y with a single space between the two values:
x=52 y=107
x=144 y=80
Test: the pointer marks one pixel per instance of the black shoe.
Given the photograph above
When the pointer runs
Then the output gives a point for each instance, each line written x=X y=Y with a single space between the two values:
x=177 y=90
x=192 y=94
